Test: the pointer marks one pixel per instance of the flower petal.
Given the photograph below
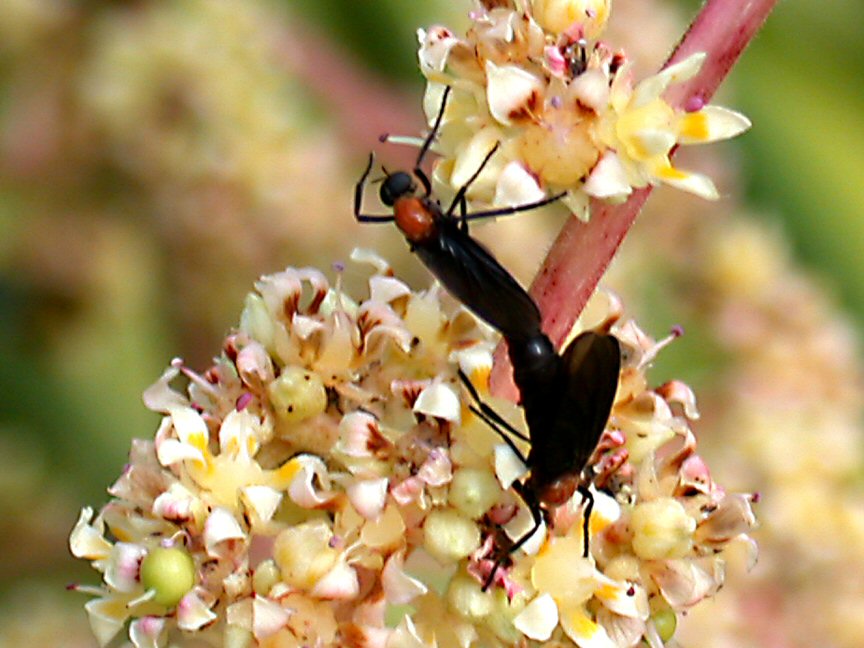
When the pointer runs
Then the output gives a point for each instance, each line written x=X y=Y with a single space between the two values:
x=221 y=526
x=192 y=613
x=516 y=186
x=86 y=540
x=107 y=617
x=399 y=587
x=262 y=500
x=583 y=630
x=368 y=496
x=510 y=91
x=439 y=400
x=695 y=183
x=538 y=619
x=608 y=179
x=711 y=124
x=145 y=632
x=649 y=89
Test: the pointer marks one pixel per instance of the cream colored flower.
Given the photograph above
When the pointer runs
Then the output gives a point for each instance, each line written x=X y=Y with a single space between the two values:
x=267 y=513
x=562 y=107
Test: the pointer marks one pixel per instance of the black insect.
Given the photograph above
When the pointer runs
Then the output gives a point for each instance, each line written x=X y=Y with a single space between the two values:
x=566 y=400
x=566 y=397
x=441 y=240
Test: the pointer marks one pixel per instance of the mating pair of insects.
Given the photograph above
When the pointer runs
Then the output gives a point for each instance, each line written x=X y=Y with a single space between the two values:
x=566 y=398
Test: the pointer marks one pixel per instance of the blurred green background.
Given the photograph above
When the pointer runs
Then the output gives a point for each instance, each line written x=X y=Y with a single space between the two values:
x=156 y=157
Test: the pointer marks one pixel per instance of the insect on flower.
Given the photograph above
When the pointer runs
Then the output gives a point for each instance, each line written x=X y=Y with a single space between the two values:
x=442 y=241
x=566 y=399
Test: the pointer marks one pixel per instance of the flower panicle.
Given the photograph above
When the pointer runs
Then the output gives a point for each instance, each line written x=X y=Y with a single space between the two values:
x=326 y=471
x=534 y=79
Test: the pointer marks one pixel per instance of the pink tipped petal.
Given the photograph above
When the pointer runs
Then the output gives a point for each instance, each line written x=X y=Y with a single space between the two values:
x=268 y=617
x=368 y=496
x=177 y=504
x=340 y=583
x=685 y=582
x=435 y=46
x=695 y=475
x=123 y=569
x=437 y=470
x=192 y=613
x=221 y=527
x=538 y=619
x=146 y=631
x=254 y=364
x=555 y=61
x=399 y=587
x=358 y=432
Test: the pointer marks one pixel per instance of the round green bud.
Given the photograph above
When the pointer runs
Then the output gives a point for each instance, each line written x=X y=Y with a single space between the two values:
x=169 y=572
x=665 y=623
x=297 y=394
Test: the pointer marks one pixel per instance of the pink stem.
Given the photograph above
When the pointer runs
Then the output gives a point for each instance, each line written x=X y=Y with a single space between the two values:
x=582 y=251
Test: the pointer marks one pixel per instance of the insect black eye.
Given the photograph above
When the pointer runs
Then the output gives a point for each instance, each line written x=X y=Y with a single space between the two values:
x=395 y=186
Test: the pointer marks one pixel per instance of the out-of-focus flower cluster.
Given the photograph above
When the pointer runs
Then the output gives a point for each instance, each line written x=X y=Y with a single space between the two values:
x=533 y=78
x=323 y=483
x=783 y=413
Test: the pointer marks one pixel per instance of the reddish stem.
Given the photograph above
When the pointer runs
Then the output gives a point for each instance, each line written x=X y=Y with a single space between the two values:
x=582 y=251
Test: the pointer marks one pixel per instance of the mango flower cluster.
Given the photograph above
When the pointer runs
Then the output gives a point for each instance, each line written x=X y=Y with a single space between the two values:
x=324 y=483
x=532 y=77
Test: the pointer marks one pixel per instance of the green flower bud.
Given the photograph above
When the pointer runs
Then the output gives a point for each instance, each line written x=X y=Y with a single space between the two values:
x=169 y=572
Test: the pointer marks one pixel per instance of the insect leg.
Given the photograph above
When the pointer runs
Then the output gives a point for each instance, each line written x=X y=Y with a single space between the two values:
x=431 y=136
x=515 y=209
x=588 y=498
x=460 y=195
x=488 y=411
x=536 y=513
x=358 y=199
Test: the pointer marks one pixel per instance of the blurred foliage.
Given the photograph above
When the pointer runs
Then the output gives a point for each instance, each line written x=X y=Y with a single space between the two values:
x=110 y=266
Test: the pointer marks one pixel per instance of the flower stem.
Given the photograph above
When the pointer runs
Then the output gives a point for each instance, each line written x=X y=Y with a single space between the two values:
x=582 y=251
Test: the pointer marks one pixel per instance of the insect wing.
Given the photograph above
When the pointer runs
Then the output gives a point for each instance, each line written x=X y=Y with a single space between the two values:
x=592 y=363
x=476 y=278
